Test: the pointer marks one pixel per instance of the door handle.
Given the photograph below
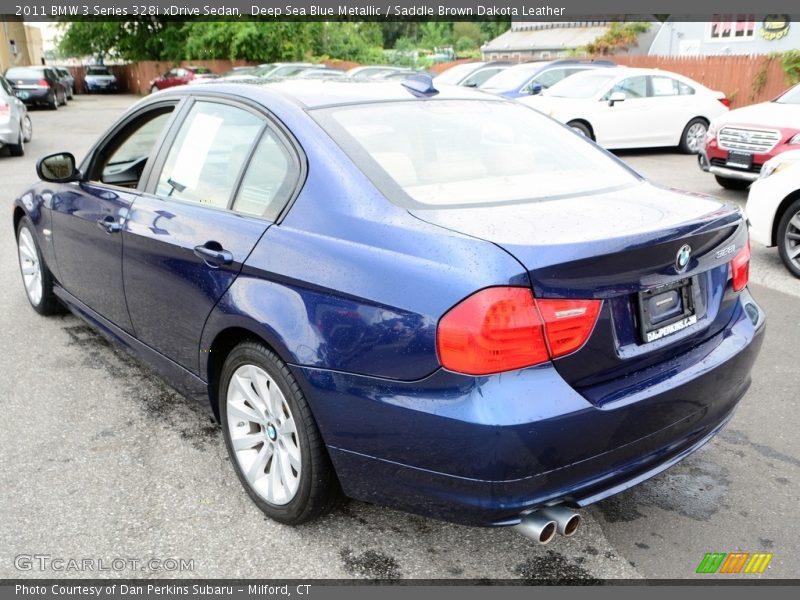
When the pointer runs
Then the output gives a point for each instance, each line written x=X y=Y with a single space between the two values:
x=109 y=224
x=213 y=254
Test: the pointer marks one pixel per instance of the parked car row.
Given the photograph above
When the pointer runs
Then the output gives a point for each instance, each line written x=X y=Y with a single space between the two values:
x=40 y=85
x=193 y=75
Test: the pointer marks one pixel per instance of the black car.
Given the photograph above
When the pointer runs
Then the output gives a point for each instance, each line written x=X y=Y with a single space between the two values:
x=67 y=79
x=38 y=85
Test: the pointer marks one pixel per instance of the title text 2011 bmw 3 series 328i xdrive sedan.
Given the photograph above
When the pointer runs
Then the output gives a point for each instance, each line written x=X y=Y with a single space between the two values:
x=433 y=300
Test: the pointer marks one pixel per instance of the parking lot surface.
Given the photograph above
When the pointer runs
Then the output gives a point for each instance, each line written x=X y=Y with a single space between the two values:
x=102 y=460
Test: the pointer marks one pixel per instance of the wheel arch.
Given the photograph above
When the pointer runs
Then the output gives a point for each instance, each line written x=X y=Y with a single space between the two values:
x=586 y=124
x=782 y=208
x=213 y=355
x=19 y=213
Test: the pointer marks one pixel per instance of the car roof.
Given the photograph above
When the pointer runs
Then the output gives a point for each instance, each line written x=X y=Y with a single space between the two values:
x=311 y=93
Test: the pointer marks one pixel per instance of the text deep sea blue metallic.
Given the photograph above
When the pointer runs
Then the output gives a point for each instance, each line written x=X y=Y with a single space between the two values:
x=348 y=289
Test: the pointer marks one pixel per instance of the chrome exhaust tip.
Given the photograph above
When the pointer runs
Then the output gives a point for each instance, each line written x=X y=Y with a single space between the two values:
x=537 y=528
x=567 y=521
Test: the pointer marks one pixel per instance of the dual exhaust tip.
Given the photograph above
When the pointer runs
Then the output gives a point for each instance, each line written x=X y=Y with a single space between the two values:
x=542 y=525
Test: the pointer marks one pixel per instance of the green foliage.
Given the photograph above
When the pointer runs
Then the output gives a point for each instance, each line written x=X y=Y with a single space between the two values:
x=469 y=30
x=436 y=34
x=260 y=41
x=465 y=45
x=619 y=36
x=138 y=39
x=357 y=42
x=790 y=61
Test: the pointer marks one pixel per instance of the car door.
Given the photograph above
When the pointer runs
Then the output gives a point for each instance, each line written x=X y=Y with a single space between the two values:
x=88 y=215
x=672 y=107
x=186 y=240
x=625 y=124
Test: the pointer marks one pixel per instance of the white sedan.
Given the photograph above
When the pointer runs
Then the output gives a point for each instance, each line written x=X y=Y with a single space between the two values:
x=633 y=108
x=773 y=208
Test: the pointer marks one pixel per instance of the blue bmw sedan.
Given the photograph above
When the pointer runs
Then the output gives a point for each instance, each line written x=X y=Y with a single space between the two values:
x=435 y=300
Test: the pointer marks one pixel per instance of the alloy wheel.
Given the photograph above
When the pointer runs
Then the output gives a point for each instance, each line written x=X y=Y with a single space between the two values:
x=791 y=240
x=29 y=264
x=695 y=136
x=263 y=435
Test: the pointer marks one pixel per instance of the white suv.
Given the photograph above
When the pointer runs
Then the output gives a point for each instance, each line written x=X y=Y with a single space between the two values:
x=773 y=207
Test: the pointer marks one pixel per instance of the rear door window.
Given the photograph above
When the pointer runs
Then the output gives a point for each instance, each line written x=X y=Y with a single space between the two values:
x=207 y=157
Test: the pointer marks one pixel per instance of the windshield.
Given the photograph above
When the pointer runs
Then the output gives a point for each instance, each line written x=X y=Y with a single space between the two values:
x=512 y=78
x=454 y=75
x=581 y=85
x=448 y=153
x=790 y=97
x=97 y=71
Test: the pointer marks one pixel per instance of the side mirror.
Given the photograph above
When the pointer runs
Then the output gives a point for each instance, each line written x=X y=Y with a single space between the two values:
x=58 y=168
x=616 y=97
x=535 y=89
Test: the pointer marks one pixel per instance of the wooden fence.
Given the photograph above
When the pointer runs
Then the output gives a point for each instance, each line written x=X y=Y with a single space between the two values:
x=744 y=79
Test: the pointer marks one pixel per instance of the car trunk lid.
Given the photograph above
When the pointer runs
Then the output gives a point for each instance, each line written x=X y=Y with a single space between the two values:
x=621 y=247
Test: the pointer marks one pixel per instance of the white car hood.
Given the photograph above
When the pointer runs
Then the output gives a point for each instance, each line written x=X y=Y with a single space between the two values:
x=766 y=114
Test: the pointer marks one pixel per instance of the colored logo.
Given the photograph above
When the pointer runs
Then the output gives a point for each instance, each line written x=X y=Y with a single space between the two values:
x=734 y=563
x=682 y=260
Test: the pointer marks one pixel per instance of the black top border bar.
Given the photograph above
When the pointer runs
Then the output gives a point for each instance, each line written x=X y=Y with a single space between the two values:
x=375 y=10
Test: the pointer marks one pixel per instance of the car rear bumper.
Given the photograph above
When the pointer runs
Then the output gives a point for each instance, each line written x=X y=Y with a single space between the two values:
x=9 y=132
x=486 y=452
x=35 y=96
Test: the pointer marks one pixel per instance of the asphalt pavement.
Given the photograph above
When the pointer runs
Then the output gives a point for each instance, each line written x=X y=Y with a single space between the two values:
x=101 y=460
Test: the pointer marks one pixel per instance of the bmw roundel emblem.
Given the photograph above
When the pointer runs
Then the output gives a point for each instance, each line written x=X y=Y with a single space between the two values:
x=682 y=260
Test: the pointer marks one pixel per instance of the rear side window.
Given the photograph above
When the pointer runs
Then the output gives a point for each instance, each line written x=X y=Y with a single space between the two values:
x=269 y=180
x=6 y=87
x=207 y=157
x=664 y=86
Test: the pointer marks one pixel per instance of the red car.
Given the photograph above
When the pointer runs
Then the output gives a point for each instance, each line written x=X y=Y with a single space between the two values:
x=739 y=142
x=180 y=76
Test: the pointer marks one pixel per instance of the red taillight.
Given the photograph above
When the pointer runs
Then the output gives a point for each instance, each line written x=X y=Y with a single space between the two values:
x=43 y=83
x=505 y=328
x=725 y=101
x=568 y=323
x=4 y=108
x=740 y=268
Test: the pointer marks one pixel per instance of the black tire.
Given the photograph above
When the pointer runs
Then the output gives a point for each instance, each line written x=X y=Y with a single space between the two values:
x=153 y=89
x=581 y=128
x=30 y=129
x=788 y=238
x=18 y=149
x=63 y=98
x=49 y=303
x=732 y=184
x=53 y=103
x=318 y=491
x=693 y=136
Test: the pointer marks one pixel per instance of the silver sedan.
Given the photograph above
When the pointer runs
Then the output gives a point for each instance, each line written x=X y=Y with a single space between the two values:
x=15 y=124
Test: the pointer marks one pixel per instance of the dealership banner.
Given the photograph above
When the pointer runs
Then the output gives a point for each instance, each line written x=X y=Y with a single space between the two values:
x=421 y=10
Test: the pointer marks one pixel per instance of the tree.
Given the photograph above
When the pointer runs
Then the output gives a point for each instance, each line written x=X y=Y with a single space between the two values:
x=358 y=42
x=254 y=41
x=436 y=34
x=138 y=39
x=618 y=36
